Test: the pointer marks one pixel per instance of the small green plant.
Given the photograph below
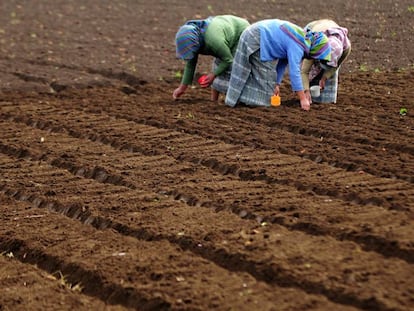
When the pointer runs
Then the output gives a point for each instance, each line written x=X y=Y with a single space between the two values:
x=178 y=74
x=411 y=8
x=403 y=111
x=64 y=282
x=363 y=67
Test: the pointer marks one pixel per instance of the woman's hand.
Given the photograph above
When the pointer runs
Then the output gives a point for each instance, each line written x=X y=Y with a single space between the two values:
x=322 y=83
x=276 y=91
x=179 y=91
x=305 y=104
x=308 y=96
x=208 y=80
x=304 y=101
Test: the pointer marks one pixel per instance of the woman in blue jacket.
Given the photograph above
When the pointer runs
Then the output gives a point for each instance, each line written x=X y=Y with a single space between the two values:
x=265 y=49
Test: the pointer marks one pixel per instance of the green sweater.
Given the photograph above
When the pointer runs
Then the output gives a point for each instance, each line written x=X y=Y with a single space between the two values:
x=220 y=40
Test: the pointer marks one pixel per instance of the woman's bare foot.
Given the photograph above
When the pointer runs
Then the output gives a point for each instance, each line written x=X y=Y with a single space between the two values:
x=214 y=95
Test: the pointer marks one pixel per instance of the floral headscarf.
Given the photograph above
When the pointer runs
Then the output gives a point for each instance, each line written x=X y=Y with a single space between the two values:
x=315 y=44
x=189 y=38
x=320 y=48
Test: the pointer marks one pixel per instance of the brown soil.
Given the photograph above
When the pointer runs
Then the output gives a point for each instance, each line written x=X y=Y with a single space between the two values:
x=113 y=196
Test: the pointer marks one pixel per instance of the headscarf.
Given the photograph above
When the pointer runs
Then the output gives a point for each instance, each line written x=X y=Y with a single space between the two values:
x=315 y=44
x=297 y=34
x=189 y=38
x=337 y=50
x=338 y=40
x=320 y=48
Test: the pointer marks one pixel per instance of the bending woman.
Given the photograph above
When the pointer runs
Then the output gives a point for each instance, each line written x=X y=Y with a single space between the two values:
x=217 y=36
x=326 y=74
x=265 y=49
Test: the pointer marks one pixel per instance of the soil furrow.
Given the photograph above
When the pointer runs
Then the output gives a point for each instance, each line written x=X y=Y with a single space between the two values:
x=252 y=170
x=115 y=196
x=306 y=145
x=272 y=268
x=238 y=263
x=146 y=267
x=37 y=290
x=344 y=146
x=330 y=221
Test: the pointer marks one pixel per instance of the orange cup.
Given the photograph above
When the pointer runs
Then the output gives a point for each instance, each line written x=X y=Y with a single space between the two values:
x=275 y=100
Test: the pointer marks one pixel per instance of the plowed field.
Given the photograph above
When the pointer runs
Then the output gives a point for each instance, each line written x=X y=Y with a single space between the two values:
x=114 y=196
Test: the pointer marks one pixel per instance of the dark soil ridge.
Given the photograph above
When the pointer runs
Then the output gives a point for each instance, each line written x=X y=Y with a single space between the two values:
x=212 y=163
x=114 y=294
x=38 y=202
x=52 y=291
x=19 y=179
x=368 y=242
x=29 y=253
x=248 y=173
x=92 y=283
x=355 y=143
x=385 y=246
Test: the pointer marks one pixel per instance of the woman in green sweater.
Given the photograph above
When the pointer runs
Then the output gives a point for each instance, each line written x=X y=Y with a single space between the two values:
x=217 y=36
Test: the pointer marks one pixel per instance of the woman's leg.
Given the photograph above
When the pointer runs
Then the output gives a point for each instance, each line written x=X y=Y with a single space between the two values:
x=214 y=95
x=241 y=67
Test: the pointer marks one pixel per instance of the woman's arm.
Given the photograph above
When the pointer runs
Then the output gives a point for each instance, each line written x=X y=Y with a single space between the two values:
x=305 y=70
